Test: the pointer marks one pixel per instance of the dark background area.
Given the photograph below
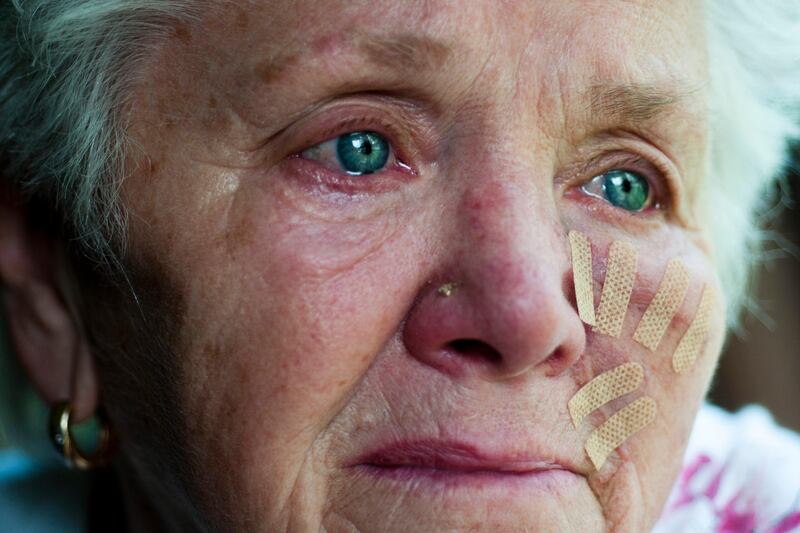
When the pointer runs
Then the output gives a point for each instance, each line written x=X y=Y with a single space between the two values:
x=763 y=364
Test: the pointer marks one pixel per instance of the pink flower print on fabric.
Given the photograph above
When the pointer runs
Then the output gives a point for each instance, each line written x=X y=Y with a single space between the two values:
x=733 y=521
x=790 y=523
x=686 y=496
x=738 y=514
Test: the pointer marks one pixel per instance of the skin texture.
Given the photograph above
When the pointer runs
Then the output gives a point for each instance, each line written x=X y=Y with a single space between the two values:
x=290 y=321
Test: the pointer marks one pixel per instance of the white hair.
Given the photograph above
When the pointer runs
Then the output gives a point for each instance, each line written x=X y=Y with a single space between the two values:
x=64 y=69
x=754 y=111
x=65 y=65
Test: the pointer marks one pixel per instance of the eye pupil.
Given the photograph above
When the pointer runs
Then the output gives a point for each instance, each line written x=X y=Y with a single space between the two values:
x=362 y=152
x=626 y=189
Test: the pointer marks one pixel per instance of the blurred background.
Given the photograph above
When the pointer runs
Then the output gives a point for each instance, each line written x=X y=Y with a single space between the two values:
x=761 y=364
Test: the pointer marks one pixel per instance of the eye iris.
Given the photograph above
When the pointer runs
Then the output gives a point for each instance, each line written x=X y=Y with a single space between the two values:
x=627 y=190
x=362 y=152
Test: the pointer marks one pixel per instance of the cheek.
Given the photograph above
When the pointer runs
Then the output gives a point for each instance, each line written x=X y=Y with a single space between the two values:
x=647 y=456
x=293 y=311
x=648 y=311
x=650 y=291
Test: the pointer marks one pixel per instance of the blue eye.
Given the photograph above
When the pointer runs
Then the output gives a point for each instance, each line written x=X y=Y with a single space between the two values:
x=362 y=152
x=357 y=153
x=621 y=188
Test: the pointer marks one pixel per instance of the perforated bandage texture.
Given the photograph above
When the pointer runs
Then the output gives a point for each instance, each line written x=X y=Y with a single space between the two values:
x=692 y=342
x=604 y=388
x=663 y=306
x=617 y=289
x=618 y=428
x=582 y=275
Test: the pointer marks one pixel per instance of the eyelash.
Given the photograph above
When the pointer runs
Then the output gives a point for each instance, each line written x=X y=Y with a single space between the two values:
x=361 y=124
x=661 y=190
x=664 y=190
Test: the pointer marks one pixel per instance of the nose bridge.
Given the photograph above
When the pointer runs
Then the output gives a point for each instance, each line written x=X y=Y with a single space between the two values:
x=510 y=244
x=507 y=253
x=513 y=255
x=507 y=199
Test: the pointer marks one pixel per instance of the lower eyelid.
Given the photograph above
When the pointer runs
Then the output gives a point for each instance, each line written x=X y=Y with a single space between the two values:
x=320 y=181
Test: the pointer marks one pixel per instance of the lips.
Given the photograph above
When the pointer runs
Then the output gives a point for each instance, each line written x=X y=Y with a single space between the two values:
x=451 y=457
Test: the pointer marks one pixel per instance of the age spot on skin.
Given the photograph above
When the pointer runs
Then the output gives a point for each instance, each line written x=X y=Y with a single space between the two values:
x=183 y=33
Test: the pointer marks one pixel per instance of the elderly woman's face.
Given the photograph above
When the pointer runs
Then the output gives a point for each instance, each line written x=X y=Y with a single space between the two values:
x=323 y=381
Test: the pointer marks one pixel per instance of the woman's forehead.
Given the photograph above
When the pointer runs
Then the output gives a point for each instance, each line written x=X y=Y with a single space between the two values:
x=424 y=35
x=608 y=62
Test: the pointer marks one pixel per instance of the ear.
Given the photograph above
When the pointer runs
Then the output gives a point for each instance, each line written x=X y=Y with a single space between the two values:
x=45 y=332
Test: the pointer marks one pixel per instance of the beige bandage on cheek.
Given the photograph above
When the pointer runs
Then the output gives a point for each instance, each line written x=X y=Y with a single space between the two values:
x=582 y=275
x=618 y=428
x=617 y=289
x=664 y=305
x=604 y=388
x=692 y=342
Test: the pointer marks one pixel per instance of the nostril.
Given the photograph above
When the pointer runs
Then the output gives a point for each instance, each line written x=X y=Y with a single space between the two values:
x=558 y=359
x=475 y=349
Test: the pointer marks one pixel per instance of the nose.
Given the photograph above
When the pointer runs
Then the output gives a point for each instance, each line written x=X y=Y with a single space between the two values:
x=509 y=310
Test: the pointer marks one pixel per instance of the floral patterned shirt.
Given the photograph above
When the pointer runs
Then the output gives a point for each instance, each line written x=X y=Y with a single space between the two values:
x=741 y=474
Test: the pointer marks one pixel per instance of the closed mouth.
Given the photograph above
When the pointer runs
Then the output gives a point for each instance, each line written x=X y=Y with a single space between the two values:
x=435 y=457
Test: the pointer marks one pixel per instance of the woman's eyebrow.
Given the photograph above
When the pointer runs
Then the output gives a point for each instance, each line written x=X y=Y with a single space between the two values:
x=404 y=52
x=408 y=51
x=631 y=103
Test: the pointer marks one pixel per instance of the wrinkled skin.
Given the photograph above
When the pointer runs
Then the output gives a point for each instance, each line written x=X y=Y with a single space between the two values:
x=307 y=325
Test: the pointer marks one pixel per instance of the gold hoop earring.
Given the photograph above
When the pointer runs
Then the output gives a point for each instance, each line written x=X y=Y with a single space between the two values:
x=61 y=436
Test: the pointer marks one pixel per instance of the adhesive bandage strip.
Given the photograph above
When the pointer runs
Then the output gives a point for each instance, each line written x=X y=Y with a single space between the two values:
x=664 y=305
x=618 y=428
x=617 y=289
x=582 y=275
x=692 y=342
x=602 y=389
